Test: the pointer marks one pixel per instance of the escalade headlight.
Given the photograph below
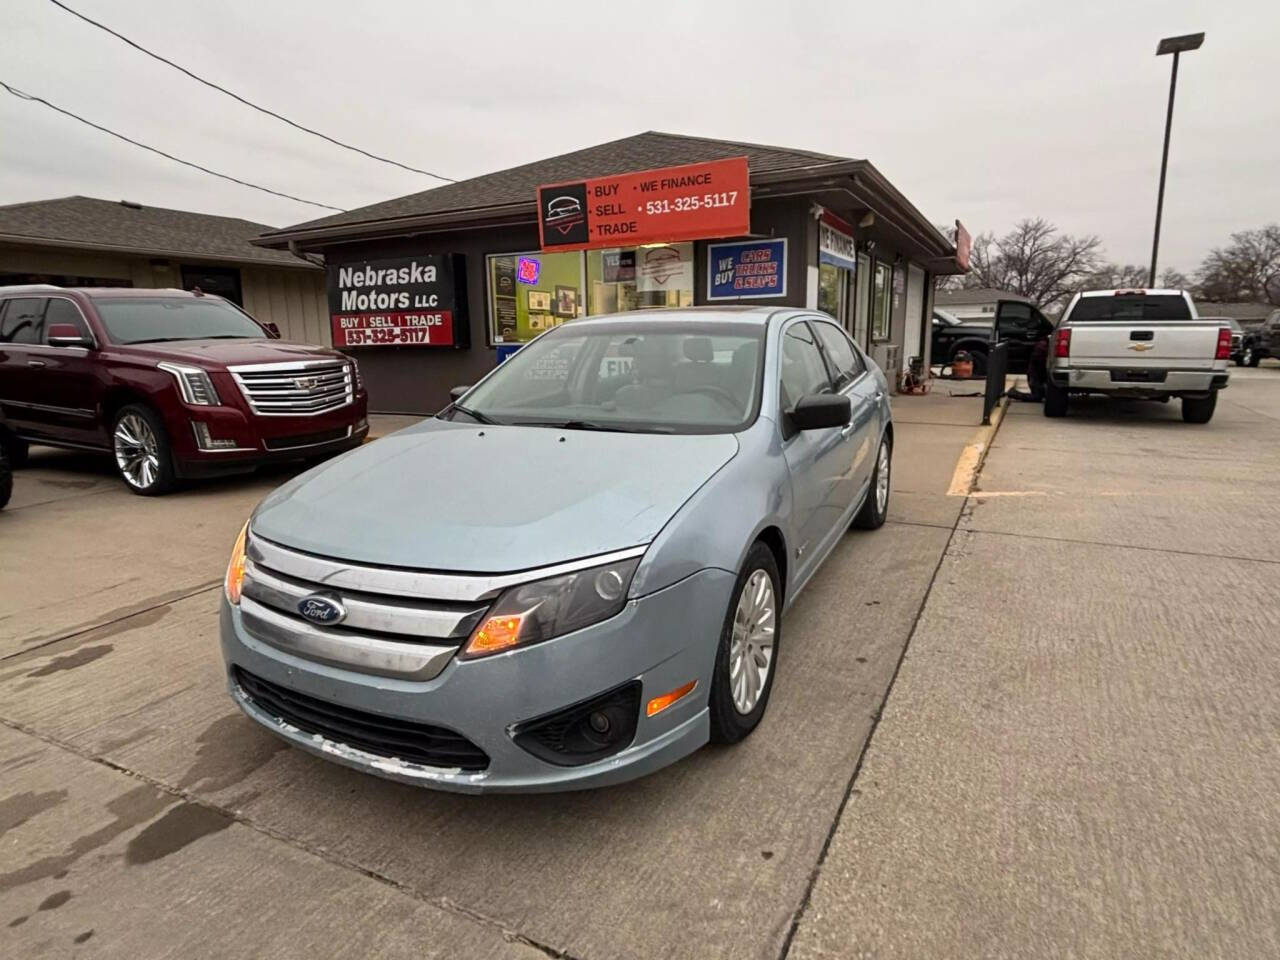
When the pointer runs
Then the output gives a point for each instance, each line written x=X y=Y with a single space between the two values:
x=196 y=387
x=537 y=611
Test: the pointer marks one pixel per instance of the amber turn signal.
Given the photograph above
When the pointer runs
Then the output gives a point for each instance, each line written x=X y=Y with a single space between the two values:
x=658 y=704
x=235 y=569
x=497 y=633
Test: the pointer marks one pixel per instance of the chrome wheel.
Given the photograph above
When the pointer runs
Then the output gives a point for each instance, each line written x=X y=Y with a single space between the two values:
x=882 y=478
x=137 y=451
x=751 y=649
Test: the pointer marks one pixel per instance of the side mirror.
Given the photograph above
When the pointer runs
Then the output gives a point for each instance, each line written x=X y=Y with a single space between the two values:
x=458 y=392
x=273 y=330
x=819 y=410
x=66 y=335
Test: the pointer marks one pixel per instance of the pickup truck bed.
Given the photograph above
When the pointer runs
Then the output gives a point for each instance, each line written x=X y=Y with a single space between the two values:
x=1138 y=344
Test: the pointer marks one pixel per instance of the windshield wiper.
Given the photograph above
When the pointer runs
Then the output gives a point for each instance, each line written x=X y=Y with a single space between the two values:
x=156 y=340
x=475 y=415
x=593 y=425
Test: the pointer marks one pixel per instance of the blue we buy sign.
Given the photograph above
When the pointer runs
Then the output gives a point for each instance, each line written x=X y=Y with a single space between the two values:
x=747 y=269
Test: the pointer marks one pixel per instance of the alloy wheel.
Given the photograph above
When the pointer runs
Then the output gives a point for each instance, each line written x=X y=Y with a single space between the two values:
x=751 y=649
x=882 y=477
x=137 y=451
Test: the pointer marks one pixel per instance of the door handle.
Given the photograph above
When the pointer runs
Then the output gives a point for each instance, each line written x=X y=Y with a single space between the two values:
x=846 y=430
x=879 y=395
x=36 y=363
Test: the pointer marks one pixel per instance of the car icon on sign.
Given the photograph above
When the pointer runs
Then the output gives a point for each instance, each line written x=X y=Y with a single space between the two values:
x=563 y=213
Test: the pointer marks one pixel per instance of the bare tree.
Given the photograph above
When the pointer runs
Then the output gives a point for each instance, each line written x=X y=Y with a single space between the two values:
x=1246 y=270
x=1172 y=279
x=1035 y=260
x=1115 y=276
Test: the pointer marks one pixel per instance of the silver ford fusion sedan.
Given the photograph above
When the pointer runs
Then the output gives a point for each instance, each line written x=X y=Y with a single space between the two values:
x=573 y=575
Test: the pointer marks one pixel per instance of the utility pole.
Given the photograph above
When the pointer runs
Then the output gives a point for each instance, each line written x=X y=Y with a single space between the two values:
x=1174 y=45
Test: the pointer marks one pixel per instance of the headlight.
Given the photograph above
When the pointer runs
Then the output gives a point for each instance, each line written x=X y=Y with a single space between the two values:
x=356 y=382
x=533 y=612
x=235 y=569
x=194 y=383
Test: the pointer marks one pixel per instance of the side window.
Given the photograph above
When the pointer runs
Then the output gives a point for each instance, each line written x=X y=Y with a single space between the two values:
x=840 y=354
x=23 y=321
x=803 y=371
x=63 y=311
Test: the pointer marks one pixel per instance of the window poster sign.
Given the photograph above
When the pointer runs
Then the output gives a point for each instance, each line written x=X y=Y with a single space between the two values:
x=835 y=242
x=662 y=268
x=746 y=270
x=619 y=266
x=406 y=301
x=691 y=202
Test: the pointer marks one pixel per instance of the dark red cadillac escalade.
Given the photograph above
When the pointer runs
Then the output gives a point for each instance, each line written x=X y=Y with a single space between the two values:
x=171 y=384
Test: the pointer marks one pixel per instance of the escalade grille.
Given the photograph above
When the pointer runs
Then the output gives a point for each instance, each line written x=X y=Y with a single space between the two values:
x=370 y=732
x=295 y=389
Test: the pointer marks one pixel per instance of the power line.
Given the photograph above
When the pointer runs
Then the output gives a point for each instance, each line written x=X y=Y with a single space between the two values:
x=168 y=156
x=247 y=103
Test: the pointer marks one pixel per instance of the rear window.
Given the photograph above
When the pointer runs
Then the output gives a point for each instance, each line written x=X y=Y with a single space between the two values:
x=1137 y=307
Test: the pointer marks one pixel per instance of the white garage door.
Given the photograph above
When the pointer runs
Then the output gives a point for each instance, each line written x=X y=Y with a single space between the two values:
x=915 y=311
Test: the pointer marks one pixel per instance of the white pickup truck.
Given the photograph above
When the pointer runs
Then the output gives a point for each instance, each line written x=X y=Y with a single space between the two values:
x=1142 y=344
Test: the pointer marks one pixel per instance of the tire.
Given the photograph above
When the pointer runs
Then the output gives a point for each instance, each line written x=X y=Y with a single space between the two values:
x=1249 y=358
x=143 y=461
x=729 y=722
x=1056 y=400
x=875 y=508
x=15 y=449
x=1199 y=409
x=6 y=479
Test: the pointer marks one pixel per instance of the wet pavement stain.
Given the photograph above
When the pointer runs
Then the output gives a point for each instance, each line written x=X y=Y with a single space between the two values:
x=230 y=749
x=54 y=900
x=68 y=484
x=83 y=937
x=112 y=622
x=18 y=809
x=129 y=810
x=72 y=660
x=179 y=827
x=18 y=921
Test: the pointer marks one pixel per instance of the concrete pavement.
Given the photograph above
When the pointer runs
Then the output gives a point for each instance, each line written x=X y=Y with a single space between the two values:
x=1078 y=757
x=118 y=735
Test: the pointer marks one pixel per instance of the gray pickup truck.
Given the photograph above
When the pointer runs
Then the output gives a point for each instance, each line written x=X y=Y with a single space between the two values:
x=1139 y=344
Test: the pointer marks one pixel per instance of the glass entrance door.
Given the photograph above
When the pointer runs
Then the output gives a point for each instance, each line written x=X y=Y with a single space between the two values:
x=862 y=305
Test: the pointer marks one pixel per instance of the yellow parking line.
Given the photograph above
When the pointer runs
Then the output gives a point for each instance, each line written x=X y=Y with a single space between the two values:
x=970 y=462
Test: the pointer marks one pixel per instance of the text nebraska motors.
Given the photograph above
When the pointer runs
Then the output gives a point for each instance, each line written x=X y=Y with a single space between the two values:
x=414 y=273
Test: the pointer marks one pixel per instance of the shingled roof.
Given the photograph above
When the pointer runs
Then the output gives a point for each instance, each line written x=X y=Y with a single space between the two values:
x=123 y=227
x=518 y=185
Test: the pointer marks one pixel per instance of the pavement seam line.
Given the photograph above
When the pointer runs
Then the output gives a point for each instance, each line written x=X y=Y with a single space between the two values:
x=48 y=503
x=798 y=917
x=203 y=588
x=443 y=904
x=1119 y=546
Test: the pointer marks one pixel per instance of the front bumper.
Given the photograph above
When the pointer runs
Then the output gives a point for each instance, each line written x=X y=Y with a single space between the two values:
x=1173 y=383
x=664 y=640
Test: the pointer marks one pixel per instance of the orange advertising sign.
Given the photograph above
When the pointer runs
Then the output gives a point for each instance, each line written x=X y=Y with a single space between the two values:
x=692 y=202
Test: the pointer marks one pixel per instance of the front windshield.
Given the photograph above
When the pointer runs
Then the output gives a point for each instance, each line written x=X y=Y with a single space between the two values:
x=667 y=376
x=944 y=318
x=157 y=319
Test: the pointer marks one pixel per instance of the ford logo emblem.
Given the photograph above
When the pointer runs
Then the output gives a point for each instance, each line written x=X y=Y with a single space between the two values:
x=322 y=610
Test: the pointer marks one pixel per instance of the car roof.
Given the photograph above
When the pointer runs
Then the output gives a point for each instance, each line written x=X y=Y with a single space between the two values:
x=706 y=314
x=46 y=289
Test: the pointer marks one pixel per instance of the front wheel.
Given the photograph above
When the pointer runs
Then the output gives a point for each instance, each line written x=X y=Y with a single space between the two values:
x=6 y=479
x=15 y=449
x=876 y=505
x=747 y=656
x=1199 y=409
x=141 y=446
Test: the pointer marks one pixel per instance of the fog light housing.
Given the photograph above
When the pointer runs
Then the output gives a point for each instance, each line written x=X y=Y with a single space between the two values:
x=206 y=441
x=585 y=732
x=361 y=425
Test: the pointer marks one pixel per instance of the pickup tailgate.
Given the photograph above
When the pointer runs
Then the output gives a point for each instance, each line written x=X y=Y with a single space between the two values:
x=1185 y=344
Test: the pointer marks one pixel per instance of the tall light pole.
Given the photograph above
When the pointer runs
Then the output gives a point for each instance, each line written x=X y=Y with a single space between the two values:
x=1176 y=46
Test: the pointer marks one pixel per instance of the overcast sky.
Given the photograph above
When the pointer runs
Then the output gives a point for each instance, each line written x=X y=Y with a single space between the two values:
x=989 y=112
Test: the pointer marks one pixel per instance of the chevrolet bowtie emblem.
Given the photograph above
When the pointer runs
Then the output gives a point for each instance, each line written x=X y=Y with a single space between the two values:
x=1142 y=347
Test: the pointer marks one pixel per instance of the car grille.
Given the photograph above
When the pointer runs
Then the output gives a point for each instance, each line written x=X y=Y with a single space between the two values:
x=383 y=736
x=307 y=439
x=295 y=389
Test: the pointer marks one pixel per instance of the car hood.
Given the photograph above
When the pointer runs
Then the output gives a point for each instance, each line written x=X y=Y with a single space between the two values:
x=223 y=352
x=492 y=499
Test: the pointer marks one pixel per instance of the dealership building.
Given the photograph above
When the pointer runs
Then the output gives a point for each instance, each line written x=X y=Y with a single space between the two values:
x=432 y=290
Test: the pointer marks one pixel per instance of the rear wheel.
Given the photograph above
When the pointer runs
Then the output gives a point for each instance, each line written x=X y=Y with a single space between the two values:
x=747 y=657
x=15 y=449
x=141 y=446
x=1056 y=400
x=1249 y=358
x=876 y=506
x=1199 y=409
x=6 y=479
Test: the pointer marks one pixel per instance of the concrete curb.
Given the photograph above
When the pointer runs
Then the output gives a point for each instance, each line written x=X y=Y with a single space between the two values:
x=969 y=466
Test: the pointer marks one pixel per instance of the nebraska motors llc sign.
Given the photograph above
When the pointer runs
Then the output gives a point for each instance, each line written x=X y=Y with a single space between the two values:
x=406 y=301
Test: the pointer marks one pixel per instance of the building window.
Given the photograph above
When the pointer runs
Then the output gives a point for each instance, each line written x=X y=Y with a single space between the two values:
x=831 y=291
x=880 y=302
x=532 y=292
x=640 y=278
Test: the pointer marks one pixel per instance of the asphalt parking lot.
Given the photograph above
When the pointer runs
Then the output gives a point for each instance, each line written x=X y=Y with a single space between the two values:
x=1077 y=756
